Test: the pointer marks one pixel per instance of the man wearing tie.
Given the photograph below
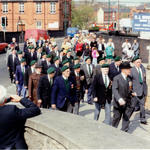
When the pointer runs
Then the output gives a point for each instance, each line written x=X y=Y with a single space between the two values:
x=88 y=69
x=122 y=97
x=114 y=68
x=38 y=54
x=102 y=94
x=45 y=87
x=139 y=87
x=11 y=64
x=20 y=78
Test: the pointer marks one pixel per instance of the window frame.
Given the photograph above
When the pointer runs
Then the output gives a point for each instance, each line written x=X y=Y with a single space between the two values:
x=38 y=7
x=52 y=7
x=21 y=7
x=37 y=25
x=5 y=7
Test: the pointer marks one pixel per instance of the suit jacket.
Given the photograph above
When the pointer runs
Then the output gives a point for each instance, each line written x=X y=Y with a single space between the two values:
x=27 y=75
x=60 y=94
x=12 y=124
x=44 y=89
x=97 y=70
x=139 y=88
x=11 y=63
x=113 y=71
x=16 y=63
x=89 y=78
x=45 y=67
x=100 y=91
x=30 y=58
x=120 y=89
x=20 y=76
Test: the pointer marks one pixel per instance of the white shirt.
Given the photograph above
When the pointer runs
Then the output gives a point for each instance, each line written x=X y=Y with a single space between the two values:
x=49 y=79
x=124 y=76
x=108 y=81
x=13 y=57
x=22 y=68
x=64 y=77
x=32 y=69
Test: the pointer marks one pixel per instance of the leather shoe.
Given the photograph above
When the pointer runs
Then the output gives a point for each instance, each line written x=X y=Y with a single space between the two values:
x=144 y=122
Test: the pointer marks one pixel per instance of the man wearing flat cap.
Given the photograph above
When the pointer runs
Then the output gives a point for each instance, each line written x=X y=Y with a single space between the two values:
x=62 y=97
x=21 y=81
x=139 y=87
x=114 y=68
x=88 y=70
x=122 y=97
x=45 y=88
x=33 y=84
x=13 y=119
x=102 y=94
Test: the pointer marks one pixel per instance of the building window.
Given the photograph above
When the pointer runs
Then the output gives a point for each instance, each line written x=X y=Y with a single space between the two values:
x=39 y=25
x=38 y=7
x=52 y=7
x=21 y=7
x=5 y=7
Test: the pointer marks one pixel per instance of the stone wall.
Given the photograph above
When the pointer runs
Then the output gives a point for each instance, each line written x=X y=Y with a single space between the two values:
x=58 y=130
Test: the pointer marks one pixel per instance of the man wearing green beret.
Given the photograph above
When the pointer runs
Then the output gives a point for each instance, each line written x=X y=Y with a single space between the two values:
x=102 y=93
x=78 y=79
x=100 y=62
x=56 y=65
x=20 y=74
x=114 y=68
x=139 y=87
x=66 y=62
x=46 y=64
x=68 y=57
x=88 y=70
x=76 y=60
x=45 y=88
x=31 y=56
x=62 y=97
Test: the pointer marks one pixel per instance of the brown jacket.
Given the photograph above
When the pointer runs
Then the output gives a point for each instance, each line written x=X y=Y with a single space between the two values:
x=33 y=85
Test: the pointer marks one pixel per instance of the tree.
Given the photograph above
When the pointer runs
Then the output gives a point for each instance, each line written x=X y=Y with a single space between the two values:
x=82 y=16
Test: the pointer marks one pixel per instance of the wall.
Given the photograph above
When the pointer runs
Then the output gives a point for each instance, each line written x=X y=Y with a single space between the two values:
x=58 y=130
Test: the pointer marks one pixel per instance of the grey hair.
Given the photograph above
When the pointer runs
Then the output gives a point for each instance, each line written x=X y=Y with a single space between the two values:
x=3 y=94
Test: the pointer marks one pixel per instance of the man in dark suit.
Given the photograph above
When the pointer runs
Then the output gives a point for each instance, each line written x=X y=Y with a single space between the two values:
x=88 y=69
x=62 y=96
x=45 y=87
x=139 y=87
x=56 y=66
x=31 y=55
x=13 y=119
x=46 y=64
x=20 y=78
x=122 y=97
x=11 y=64
x=18 y=59
x=114 y=68
x=78 y=79
x=102 y=93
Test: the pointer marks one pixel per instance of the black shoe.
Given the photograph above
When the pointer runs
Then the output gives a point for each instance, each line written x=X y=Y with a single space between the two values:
x=144 y=122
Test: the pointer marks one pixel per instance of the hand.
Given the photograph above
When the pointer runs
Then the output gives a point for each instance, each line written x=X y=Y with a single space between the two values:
x=134 y=94
x=121 y=102
x=95 y=99
x=82 y=78
x=8 y=68
x=72 y=86
x=86 y=91
x=25 y=87
x=17 y=82
x=15 y=98
x=53 y=106
x=39 y=102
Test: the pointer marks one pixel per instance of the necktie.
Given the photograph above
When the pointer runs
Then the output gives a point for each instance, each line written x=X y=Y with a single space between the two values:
x=51 y=82
x=23 y=71
x=67 y=85
x=90 y=72
x=105 y=81
x=140 y=76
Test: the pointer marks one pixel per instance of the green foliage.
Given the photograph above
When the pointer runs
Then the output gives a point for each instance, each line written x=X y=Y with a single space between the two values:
x=82 y=16
x=94 y=29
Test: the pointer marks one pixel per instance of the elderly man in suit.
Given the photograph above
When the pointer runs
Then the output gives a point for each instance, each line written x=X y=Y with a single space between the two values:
x=122 y=97
x=88 y=69
x=13 y=119
x=102 y=93
x=21 y=81
x=139 y=86
x=114 y=68
x=62 y=96
x=45 y=87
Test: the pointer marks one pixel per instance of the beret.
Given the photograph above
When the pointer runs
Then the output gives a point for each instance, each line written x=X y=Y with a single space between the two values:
x=135 y=58
x=105 y=66
x=32 y=62
x=76 y=58
x=109 y=57
x=64 y=68
x=43 y=53
x=117 y=58
x=87 y=58
x=49 y=56
x=51 y=70
x=69 y=50
x=65 y=61
x=23 y=60
x=76 y=66
x=56 y=58
x=100 y=59
x=19 y=52
x=30 y=47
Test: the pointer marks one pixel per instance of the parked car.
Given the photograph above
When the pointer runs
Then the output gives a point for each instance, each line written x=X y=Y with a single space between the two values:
x=3 y=47
x=36 y=34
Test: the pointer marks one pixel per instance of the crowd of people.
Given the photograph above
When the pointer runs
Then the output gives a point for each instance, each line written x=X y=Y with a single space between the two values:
x=84 y=69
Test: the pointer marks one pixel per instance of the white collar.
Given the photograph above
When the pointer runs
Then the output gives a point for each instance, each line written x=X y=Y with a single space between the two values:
x=64 y=77
x=124 y=76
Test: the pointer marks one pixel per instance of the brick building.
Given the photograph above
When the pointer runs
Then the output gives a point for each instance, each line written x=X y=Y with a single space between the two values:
x=52 y=15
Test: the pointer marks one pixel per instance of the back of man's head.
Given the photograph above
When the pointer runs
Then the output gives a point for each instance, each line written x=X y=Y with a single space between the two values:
x=3 y=94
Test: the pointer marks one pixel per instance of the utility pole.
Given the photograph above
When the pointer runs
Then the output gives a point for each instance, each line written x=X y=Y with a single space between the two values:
x=118 y=15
